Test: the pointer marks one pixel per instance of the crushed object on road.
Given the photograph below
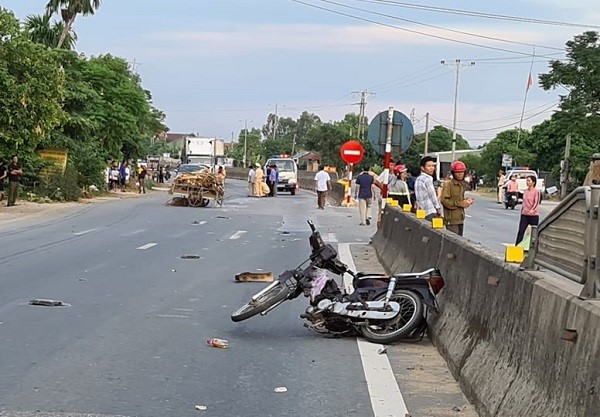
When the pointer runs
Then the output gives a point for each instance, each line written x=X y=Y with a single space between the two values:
x=46 y=303
x=201 y=407
x=280 y=389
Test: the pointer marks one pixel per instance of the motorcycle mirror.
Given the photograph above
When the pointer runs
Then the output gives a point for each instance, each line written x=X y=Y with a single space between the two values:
x=312 y=225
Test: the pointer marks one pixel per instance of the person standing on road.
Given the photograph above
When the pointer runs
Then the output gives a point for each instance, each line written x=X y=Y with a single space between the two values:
x=364 y=181
x=259 y=175
x=501 y=181
x=530 y=208
x=322 y=185
x=142 y=179
x=14 y=174
x=383 y=178
x=3 y=174
x=453 y=199
x=398 y=189
x=251 y=179
x=274 y=179
x=425 y=193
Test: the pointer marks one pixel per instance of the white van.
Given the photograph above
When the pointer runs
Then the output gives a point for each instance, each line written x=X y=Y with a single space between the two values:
x=288 y=173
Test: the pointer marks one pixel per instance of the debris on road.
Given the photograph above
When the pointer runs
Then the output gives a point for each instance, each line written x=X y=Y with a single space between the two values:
x=201 y=407
x=382 y=351
x=46 y=303
x=218 y=343
x=254 y=277
x=190 y=256
x=280 y=389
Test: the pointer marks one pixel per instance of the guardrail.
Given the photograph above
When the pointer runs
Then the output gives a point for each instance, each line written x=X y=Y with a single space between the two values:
x=566 y=241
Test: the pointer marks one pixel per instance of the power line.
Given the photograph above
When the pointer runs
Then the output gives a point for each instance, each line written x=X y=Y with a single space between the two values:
x=481 y=14
x=438 y=27
x=411 y=30
x=498 y=127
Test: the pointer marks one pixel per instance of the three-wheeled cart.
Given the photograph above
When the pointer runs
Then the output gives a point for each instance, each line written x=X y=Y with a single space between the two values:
x=197 y=195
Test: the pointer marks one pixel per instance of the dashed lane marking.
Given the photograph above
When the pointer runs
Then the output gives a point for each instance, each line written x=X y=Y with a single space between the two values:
x=83 y=232
x=146 y=246
x=135 y=232
x=237 y=235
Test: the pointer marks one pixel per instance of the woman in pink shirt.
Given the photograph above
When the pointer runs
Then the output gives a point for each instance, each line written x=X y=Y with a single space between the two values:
x=530 y=214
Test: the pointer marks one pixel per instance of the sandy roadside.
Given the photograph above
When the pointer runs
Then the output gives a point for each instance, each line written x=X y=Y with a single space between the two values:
x=28 y=210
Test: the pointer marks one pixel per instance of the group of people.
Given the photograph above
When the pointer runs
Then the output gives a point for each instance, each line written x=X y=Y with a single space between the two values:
x=446 y=199
x=261 y=184
x=117 y=176
x=11 y=173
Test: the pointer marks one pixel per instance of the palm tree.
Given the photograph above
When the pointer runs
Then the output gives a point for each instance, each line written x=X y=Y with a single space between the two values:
x=69 y=9
x=41 y=29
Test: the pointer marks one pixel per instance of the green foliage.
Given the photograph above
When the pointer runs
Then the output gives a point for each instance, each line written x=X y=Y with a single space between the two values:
x=41 y=29
x=31 y=90
x=506 y=143
x=58 y=187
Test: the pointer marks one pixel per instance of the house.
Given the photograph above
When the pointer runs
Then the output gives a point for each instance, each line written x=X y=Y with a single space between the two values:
x=307 y=160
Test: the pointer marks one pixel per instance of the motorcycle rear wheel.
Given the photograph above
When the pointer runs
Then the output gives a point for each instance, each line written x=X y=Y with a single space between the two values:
x=268 y=299
x=400 y=327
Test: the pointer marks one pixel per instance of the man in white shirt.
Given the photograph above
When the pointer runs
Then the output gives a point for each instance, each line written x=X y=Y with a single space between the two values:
x=425 y=192
x=251 y=179
x=322 y=185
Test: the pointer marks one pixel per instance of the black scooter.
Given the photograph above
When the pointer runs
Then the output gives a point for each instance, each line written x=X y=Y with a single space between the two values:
x=384 y=309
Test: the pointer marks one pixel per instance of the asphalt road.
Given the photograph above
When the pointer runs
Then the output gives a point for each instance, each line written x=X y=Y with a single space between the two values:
x=131 y=341
x=494 y=226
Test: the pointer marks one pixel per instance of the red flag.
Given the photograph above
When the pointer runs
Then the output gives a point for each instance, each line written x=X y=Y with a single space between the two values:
x=529 y=82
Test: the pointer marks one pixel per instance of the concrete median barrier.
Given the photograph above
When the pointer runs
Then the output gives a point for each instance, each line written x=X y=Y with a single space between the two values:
x=517 y=344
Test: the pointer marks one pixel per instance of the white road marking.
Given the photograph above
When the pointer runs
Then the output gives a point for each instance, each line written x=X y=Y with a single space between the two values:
x=135 y=232
x=330 y=238
x=385 y=395
x=171 y=316
x=237 y=234
x=147 y=246
x=83 y=232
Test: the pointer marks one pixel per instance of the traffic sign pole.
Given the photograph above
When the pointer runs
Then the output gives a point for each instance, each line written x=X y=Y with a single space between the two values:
x=349 y=195
x=352 y=153
x=388 y=156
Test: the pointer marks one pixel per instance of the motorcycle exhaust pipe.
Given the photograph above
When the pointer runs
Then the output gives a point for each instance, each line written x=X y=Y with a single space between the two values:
x=390 y=290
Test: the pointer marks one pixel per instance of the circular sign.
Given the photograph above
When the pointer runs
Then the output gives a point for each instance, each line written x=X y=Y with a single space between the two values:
x=402 y=133
x=352 y=152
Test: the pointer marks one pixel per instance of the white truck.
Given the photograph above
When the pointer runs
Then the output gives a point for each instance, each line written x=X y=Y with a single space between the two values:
x=205 y=151
x=522 y=175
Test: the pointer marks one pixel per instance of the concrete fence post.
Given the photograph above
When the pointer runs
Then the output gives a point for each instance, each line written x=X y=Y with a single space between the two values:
x=591 y=288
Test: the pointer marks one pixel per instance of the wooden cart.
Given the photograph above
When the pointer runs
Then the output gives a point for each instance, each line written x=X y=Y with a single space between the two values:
x=197 y=196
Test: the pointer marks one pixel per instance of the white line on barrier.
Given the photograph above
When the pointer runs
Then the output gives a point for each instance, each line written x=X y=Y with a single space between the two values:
x=386 y=397
x=147 y=246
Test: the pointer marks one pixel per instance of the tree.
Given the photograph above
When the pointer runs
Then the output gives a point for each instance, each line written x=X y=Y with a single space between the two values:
x=506 y=143
x=69 y=9
x=579 y=112
x=41 y=29
x=32 y=87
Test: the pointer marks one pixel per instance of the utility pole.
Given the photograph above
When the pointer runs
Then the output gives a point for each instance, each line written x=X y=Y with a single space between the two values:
x=458 y=64
x=361 y=117
x=293 y=144
x=275 y=123
x=245 y=141
x=426 y=133
x=564 y=175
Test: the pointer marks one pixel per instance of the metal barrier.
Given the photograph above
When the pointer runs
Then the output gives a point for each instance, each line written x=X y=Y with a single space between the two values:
x=566 y=242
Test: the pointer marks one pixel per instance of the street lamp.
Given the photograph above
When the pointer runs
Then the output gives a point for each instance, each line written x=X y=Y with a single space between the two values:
x=245 y=140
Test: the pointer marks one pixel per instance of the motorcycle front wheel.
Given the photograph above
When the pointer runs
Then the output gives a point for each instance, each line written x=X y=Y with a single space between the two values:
x=401 y=326
x=271 y=297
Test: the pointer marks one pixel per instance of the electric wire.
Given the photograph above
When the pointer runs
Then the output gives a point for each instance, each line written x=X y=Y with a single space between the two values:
x=480 y=14
x=461 y=32
x=410 y=30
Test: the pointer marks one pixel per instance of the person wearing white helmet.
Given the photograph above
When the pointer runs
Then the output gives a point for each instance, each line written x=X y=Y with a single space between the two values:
x=453 y=199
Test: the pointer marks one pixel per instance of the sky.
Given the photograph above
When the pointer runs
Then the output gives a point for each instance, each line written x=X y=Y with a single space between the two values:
x=216 y=66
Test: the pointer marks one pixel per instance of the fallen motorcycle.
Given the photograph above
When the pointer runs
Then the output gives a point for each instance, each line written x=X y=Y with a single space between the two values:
x=384 y=309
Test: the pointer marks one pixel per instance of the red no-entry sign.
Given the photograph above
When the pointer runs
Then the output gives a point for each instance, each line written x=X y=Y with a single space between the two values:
x=352 y=152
